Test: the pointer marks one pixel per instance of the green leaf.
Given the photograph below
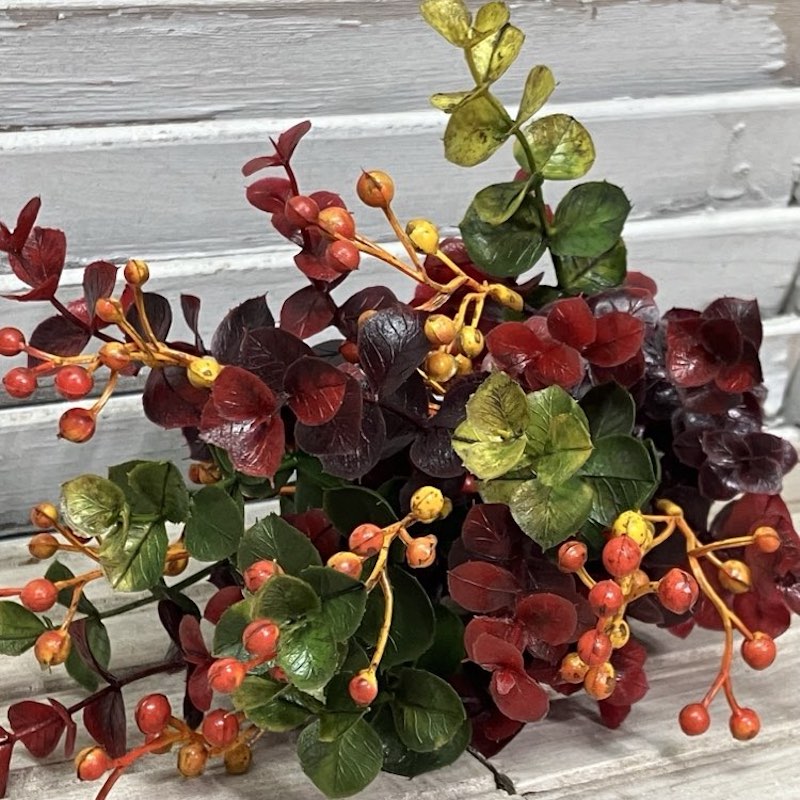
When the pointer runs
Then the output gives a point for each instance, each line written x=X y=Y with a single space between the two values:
x=493 y=55
x=589 y=220
x=562 y=148
x=550 y=514
x=592 y=275
x=308 y=655
x=228 y=631
x=344 y=766
x=449 y=101
x=445 y=655
x=476 y=129
x=341 y=713
x=215 y=525
x=161 y=490
x=81 y=671
x=19 y=628
x=487 y=460
x=558 y=435
x=58 y=572
x=274 y=539
x=620 y=474
x=413 y=624
x=133 y=559
x=273 y=706
x=539 y=85
x=496 y=203
x=498 y=409
x=343 y=600
x=427 y=711
x=349 y=506
x=285 y=599
x=92 y=505
x=490 y=18
x=450 y=18
x=508 y=249
x=500 y=491
x=311 y=483
x=609 y=409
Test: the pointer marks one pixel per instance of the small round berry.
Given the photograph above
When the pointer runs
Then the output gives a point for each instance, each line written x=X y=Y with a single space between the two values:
x=427 y=503
x=349 y=352
x=470 y=484
x=421 y=552
x=424 y=235
x=238 y=759
x=20 y=382
x=52 y=648
x=573 y=668
x=463 y=364
x=12 y=342
x=73 y=382
x=375 y=189
x=470 y=341
x=301 y=211
x=734 y=575
x=447 y=510
x=440 y=366
x=744 y=724
x=633 y=524
x=92 y=763
x=220 y=727
x=619 y=634
x=43 y=545
x=606 y=598
x=278 y=674
x=259 y=572
x=76 y=425
x=114 y=355
x=342 y=256
x=192 y=758
x=440 y=329
x=694 y=719
x=152 y=714
x=109 y=310
x=347 y=563
x=204 y=472
x=337 y=221
x=44 y=515
x=261 y=639
x=621 y=556
x=202 y=372
x=366 y=539
x=760 y=651
x=507 y=297
x=594 y=647
x=226 y=675
x=600 y=680
x=572 y=556
x=136 y=272
x=175 y=566
x=766 y=539
x=39 y=595
x=363 y=687
x=678 y=591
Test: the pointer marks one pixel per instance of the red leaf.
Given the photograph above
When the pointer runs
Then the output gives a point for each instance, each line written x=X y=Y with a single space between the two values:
x=316 y=390
x=69 y=724
x=688 y=362
x=626 y=374
x=638 y=280
x=613 y=715
x=252 y=314
x=307 y=312
x=513 y=346
x=6 y=748
x=220 y=602
x=239 y=396
x=105 y=720
x=619 y=338
x=99 y=279
x=557 y=364
x=60 y=336
x=41 y=259
x=339 y=435
x=481 y=587
x=171 y=401
x=313 y=264
x=191 y=639
x=508 y=630
x=197 y=687
x=571 y=321
x=284 y=148
x=44 y=291
x=254 y=448
x=13 y=242
x=373 y=298
x=269 y=194
x=28 y=713
x=549 y=617
x=518 y=696
x=493 y=653
x=761 y=614
x=487 y=531
x=190 y=306
x=268 y=353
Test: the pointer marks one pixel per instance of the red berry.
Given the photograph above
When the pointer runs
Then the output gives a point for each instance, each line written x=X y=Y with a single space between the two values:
x=73 y=382
x=114 y=355
x=278 y=674
x=572 y=556
x=470 y=485
x=12 y=342
x=261 y=638
x=226 y=675
x=349 y=352
x=153 y=712
x=694 y=719
x=606 y=598
x=39 y=594
x=43 y=545
x=346 y=563
x=259 y=572
x=92 y=763
x=678 y=591
x=621 y=556
x=337 y=220
x=342 y=256
x=744 y=724
x=760 y=651
x=20 y=382
x=363 y=687
x=594 y=647
x=366 y=539
x=192 y=758
x=76 y=425
x=52 y=648
x=301 y=211
x=220 y=727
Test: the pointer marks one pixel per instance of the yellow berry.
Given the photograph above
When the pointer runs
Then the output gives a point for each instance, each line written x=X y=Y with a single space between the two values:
x=424 y=235
x=238 y=759
x=507 y=297
x=427 y=503
x=634 y=525
x=440 y=329
x=440 y=366
x=619 y=633
x=470 y=341
x=463 y=365
x=365 y=316
x=573 y=668
x=202 y=372
x=735 y=576
x=137 y=272
x=600 y=680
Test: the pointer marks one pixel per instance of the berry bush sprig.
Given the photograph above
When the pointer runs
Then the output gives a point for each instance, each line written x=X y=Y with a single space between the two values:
x=478 y=494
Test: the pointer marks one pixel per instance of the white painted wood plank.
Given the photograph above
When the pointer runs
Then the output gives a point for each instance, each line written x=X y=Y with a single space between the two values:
x=185 y=60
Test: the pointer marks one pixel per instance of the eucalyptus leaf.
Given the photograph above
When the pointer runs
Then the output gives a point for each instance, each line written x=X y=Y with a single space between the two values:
x=450 y=18
x=133 y=559
x=492 y=55
x=93 y=506
x=449 y=101
x=476 y=128
x=539 y=85
x=490 y=18
x=562 y=148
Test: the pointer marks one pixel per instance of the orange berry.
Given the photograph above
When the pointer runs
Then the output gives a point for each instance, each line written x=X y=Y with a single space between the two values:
x=694 y=719
x=766 y=539
x=366 y=539
x=261 y=638
x=342 y=256
x=678 y=591
x=573 y=668
x=375 y=189
x=92 y=763
x=259 y=572
x=606 y=598
x=337 y=221
x=136 y=272
x=346 y=563
x=43 y=545
x=744 y=724
x=600 y=680
x=621 y=556
x=440 y=366
x=12 y=341
x=152 y=714
x=301 y=211
x=39 y=595
x=220 y=727
x=44 y=515
x=52 y=648
x=734 y=575
x=114 y=355
x=109 y=310
x=77 y=425
x=594 y=647
x=226 y=675
x=572 y=556
x=421 y=552
x=363 y=687
x=760 y=651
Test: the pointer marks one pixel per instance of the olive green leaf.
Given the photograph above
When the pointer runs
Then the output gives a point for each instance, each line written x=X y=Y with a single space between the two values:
x=609 y=409
x=539 y=85
x=133 y=558
x=450 y=18
x=496 y=203
x=476 y=129
x=93 y=506
x=494 y=54
x=499 y=408
x=228 y=631
x=578 y=275
x=160 y=486
x=343 y=600
x=215 y=525
x=19 y=628
x=349 y=506
x=449 y=101
x=562 y=148
x=488 y=460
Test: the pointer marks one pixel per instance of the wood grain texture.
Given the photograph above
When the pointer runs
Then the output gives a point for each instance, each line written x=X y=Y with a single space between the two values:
x=183 y=60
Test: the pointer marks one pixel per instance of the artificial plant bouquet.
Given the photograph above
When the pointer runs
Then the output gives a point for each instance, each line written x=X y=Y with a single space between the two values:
x=474 y=490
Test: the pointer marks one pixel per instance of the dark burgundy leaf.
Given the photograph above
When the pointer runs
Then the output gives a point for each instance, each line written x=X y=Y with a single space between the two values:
x=722 y=339
x=69 y=724
x=60 y=336
x=99 y=279
x=234 y=328
x=269 y=194
x=315 y=524
x=742 y=376
x=619 y=337
x=44 y=291
x=239 y=396
x=171 y=401
x=626 y=374
x=745 y=313
x=6 y=748
x=13 y=242
x=313 y=262
x=80 y=641
x=453 y=409
x=761 y=614
x=613 y=715
x=316 y=390
x=494 y=653
x=548 y=617
x=220 y=601
x=191 y=640
x=190 y=306
x=307 y=312
x=518 y=696
x=489 y=530
x=28 y=713
x=636 y=301
x=284 y=148
x=268 y=352
x=41 y=260
x=432 y=452
x=571 y=321
x=356 y=463
x=104 y=718
x=373 y=298
x=482 y=587
x=509 y=630
x=255 y=448
x=158 y=311
x=339 y=435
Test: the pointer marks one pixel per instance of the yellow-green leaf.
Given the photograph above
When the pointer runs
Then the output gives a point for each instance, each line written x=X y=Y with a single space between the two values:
x=450 y=18
x=489 y=19
x=562 y=148
x=449 y=101
x=493 y=55
x=539 y=85
x=496 y=203
x=475 y=130
x=488 y=460
x=498 y=408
